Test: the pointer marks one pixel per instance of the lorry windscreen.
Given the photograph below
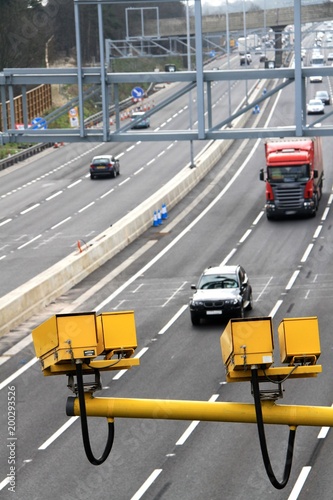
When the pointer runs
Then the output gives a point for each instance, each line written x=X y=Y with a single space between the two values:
x=292 y=173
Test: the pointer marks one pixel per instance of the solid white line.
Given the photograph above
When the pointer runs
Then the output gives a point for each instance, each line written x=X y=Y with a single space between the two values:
x=257 y=219
x=317 y=231
x=292 y=280
x=107 y=193
x=74 y=184
x=188 y=432
x=307 y=253
x=243 y=238
x=174 y=294
x=124 y=181
x=15 y=349
x=323 y=432
x=228 y=257
x=193 y=425
x=61 y=222
x=122 y=372
x=87 y=206
x=173 y=319
x=275 y=308
x=29 y=209
x=18 y=373
x=147 y=484
x=28 y=242
x=54 y=195
x=5 y=222
x=325 y=214
x=4 y=482
x=57 y=434
x=264 y=289
x=299 y=483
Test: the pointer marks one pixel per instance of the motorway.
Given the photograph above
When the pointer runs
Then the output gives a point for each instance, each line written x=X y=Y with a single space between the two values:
x=53 y=195
x=222 y=220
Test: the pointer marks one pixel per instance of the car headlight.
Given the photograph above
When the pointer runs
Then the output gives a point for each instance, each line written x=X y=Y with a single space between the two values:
x=232 y=302
x=196 y=303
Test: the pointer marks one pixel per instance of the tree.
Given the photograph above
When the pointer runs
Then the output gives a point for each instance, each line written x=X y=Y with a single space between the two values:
x=26 y=26
x=23 y=30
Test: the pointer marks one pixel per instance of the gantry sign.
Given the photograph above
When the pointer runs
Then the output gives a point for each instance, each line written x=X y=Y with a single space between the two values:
x=82 y=345
x=199 y=80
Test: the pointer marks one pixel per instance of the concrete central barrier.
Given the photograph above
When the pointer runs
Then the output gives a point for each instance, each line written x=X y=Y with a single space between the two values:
x=32 y=297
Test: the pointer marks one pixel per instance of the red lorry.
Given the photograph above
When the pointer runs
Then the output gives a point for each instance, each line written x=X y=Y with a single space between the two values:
x=294 y=176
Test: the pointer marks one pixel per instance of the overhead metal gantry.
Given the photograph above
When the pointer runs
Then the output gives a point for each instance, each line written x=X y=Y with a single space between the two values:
x=200 y=80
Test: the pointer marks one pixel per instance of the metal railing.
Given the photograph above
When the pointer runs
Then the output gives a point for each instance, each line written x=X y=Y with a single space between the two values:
x=23 y=155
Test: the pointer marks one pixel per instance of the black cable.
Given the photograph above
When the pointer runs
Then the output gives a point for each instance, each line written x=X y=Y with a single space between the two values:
x=262 y=438
x=282 y=380
x=84 y=424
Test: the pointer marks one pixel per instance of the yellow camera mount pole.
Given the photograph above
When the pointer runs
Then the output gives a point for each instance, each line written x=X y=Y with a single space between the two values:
x=273 y=413
x=85 y=344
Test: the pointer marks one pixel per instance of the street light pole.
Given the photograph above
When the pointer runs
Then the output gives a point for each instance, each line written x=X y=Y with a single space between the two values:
x=245 y=47
x=189 y=69
x=228 y=54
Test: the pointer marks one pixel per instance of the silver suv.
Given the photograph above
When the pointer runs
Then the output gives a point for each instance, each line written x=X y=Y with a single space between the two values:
x=221 y=291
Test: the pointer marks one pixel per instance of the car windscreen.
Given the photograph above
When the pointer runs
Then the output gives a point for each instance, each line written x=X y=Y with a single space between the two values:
x=288 y=174
x=218 y=281
x=100 y=161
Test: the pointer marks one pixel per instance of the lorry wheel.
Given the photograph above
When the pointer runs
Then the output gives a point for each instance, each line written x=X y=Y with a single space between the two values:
x=320 y=190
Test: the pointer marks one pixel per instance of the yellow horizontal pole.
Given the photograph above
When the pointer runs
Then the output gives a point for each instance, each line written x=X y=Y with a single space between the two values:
x=202 y=410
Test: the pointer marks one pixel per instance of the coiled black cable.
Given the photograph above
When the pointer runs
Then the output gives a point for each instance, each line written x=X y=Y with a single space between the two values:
x=262 y=438
x=84 y=424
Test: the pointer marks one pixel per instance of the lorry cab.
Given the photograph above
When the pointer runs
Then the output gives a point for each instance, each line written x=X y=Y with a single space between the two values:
x=293 y=176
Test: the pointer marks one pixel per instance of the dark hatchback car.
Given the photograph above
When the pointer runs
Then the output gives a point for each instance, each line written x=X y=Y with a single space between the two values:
x=324 y=96
x=104 y=165
x=221 y=291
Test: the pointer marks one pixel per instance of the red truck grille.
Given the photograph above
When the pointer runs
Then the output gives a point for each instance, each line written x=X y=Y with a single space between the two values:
x=288 y=198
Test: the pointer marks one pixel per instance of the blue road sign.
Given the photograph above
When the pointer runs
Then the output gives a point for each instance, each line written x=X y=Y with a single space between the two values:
x=212 y=53
x=137 y=92
x=38 y=122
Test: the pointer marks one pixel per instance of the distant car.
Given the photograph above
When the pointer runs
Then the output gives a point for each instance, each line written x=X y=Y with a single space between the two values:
x=258 y=50
x=316 y=79
x=315 y=106
x=324 y=96
x=143 y=123
x=245 y=59
x=330 y=56
x=221 y=291
x=104 y=165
